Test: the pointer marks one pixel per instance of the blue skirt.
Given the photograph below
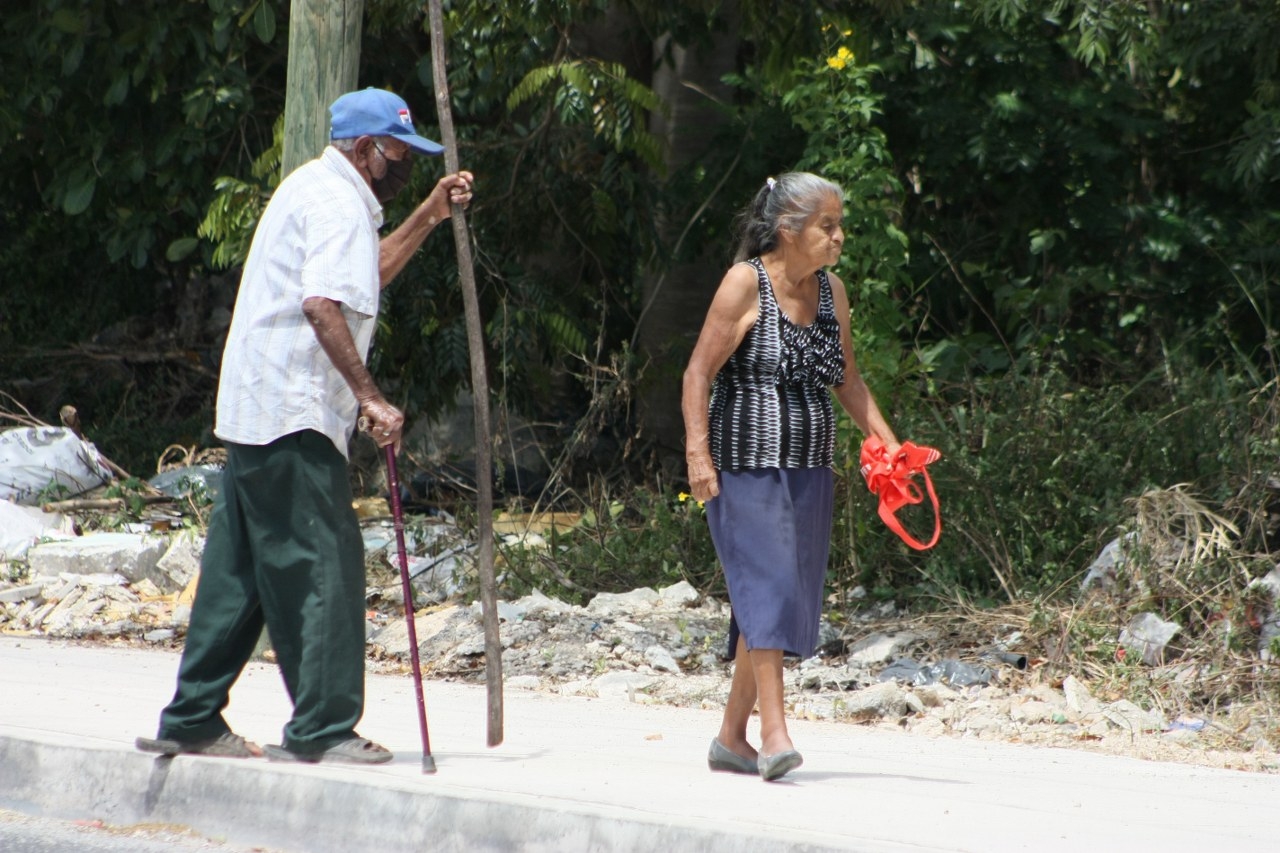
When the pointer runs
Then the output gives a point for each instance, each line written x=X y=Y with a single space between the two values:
x=772 y=532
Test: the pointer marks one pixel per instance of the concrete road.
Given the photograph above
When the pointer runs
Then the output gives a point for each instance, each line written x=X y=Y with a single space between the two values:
x=578 y=774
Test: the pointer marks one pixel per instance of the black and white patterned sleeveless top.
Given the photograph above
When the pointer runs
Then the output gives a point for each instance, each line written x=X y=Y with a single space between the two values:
x=770 y=407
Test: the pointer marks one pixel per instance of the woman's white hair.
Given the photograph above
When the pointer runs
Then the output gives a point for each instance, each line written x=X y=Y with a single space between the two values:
x=781 y=205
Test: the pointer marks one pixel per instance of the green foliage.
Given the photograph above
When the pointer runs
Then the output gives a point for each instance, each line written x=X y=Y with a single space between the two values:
x=832 y=100
x=560 y=145
x=116 y=117
x=644 y=538
x=233 y=213
x=1080 y=178
x=54 y=491
x=601 y=96
x=1037 y=470
x=129 y=491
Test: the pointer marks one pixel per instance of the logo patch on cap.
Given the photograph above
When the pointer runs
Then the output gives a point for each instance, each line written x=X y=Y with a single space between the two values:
x=404 y=118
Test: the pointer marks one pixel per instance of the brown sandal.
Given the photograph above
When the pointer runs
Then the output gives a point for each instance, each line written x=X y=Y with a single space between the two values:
x=356 y=750
x=225 y=745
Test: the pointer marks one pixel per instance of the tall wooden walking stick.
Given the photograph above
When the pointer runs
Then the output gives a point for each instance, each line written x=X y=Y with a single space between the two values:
x=479 y=389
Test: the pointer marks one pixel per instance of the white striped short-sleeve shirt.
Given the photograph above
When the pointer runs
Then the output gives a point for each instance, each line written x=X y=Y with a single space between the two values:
x=318 y=236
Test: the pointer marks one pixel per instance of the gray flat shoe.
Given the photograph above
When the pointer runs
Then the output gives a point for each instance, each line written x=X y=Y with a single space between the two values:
x=724 y=760
x=779 y=764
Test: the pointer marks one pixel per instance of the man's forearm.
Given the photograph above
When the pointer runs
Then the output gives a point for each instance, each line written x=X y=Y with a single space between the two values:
x=335 y=339
x=395 y=250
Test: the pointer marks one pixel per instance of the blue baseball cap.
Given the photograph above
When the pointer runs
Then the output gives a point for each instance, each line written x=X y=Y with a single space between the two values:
x=377 y=112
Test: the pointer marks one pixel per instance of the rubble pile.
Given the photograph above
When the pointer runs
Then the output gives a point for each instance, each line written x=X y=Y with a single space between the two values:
x=107 y=585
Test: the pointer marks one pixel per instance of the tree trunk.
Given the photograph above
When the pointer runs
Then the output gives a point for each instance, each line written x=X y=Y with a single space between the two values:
x=678 y=294
x=617 y=36
x=324 y=62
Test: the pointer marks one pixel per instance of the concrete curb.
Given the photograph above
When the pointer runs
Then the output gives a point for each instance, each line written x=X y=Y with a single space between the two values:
x=334 y=810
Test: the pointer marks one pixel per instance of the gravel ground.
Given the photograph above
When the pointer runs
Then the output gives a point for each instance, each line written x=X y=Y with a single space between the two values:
x=666 y=646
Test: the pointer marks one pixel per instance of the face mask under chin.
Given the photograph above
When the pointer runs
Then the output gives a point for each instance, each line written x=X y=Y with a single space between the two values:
x=393 y=180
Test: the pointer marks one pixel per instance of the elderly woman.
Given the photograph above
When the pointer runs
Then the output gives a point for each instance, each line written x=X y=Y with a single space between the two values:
x=760 y=437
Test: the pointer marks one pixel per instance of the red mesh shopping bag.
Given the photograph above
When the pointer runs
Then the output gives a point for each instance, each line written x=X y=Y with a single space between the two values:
x=890 y=477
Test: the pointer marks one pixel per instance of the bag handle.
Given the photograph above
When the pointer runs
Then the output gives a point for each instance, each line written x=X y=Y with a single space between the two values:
x=890 y=478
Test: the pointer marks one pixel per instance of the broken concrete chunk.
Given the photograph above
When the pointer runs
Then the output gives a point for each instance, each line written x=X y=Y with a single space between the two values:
x=660 y=659
x=681 y=594
x=621 y=685
x=879 y=648
x=179 y=564
x=1129 y=717
x=1078 y=698
x=609 y=603
x=20 y=593
x=132 y=555
x=879 y=700
x=537 y=604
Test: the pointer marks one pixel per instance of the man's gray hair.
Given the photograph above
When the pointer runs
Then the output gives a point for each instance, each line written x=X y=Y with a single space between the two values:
x=348 y=145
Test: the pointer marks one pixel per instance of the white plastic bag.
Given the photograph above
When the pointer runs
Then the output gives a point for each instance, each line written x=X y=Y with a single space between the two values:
x=23 y=526
x=34 y=461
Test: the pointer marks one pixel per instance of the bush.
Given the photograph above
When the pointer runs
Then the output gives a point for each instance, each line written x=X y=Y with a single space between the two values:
x=646 y=538
x=1037 y=469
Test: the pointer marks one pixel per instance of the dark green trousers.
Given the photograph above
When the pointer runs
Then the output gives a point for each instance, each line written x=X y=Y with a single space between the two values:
x=283 y=549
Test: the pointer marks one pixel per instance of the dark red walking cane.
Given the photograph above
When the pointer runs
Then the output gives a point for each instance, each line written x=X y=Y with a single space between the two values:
x=397 y=513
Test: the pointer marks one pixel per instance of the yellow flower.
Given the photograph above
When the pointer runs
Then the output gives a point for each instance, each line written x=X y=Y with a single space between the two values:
x=684 y=496
x=841 y=59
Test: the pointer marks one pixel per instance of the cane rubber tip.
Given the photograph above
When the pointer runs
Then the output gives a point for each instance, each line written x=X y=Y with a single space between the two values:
x=428 y=764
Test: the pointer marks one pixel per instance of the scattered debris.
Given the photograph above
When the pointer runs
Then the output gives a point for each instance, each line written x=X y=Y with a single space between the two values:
x=1106 y=567
x=1148 y=635
x=23 y=526
x=179 y=482
x=950 y=671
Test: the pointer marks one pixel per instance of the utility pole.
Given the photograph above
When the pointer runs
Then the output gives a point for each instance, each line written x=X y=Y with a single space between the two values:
x=324 y=62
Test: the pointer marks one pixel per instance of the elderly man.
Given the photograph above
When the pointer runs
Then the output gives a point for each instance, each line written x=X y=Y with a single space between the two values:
x=284 y=546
